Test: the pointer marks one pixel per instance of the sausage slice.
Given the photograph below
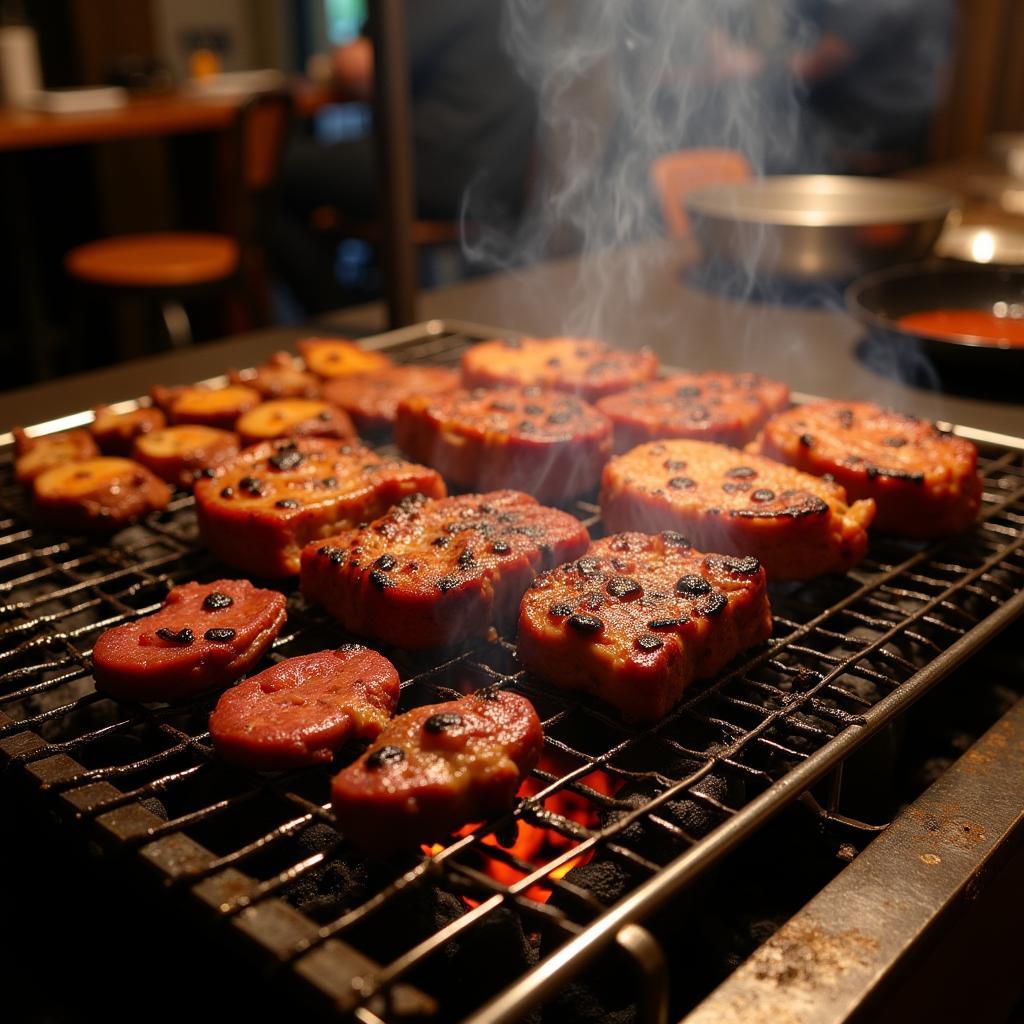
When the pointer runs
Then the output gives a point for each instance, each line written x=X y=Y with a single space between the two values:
x=301 y=710
x=206 y=635
x=293 y=417
x=728 y=408
x=436 y=768
x=797 y=525
x=35 y=455
x=924 y=483
x=581 y=366
x=433 y=573
x=183 y=453
x=544 y=442
x=335 y=357
x=209 y=407
x=276 y=497
x=116 y=432
x=281 y=376
x=104 y=493
x=639 y=618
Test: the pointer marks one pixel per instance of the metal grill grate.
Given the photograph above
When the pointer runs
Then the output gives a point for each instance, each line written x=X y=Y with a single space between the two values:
x=608 y=801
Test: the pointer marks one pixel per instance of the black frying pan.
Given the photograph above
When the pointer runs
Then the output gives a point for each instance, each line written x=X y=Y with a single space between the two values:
x=879 y=299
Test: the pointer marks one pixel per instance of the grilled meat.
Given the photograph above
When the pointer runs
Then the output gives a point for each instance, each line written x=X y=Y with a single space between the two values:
x=335 y=357
x=208 y=407
x=276 y=497
x=436 y=768
x=116 y=432
x=301 y=710
x=798 y=526
x=205 y=636
x=293 y=417
x=639 y=618
x=281 y=376
x=580 y=366
x=184 y=453
x=728 y=408
x=371 y=399
x=434 y=573
x=104 y=493
x=924 y=483
x=548 y=444
x=36 y=455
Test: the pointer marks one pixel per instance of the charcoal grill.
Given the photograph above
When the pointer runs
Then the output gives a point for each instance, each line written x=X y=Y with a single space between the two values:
x=848 y=655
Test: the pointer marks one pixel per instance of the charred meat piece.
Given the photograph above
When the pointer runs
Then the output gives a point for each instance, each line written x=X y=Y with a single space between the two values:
x=640 y=618
x=206 y=635
x=433 y=573
x=104 y=493
x=581 y=366
x=116 y=432
x=185 y=453
x=924 y=483
x=335 y=357
x=301 y=710
x=281 y=376
x=798 y=526
x=209 y=407
x=371 y=399
x=276 y=497
x=728 y=408
x=549 y=444
x=436 y=768
x=293 y=417
x=35 y=455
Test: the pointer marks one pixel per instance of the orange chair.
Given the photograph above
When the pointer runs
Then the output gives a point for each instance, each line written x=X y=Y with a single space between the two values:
x=171 y=267
x=677 y=174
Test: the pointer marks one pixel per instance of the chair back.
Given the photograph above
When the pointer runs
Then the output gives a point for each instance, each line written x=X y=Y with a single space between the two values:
x=262 y=127
x=675 y=175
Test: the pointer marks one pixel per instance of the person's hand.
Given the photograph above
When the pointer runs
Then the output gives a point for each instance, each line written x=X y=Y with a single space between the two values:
x=731 y=61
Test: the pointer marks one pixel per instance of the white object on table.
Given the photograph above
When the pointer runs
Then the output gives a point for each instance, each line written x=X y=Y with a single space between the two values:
x=20 y=75
x=80 y=100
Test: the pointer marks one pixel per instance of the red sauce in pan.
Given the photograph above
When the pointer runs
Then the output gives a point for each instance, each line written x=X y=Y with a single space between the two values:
x=966 y=324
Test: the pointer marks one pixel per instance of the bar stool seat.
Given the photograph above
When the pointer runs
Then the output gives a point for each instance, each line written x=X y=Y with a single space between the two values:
x=173 y=259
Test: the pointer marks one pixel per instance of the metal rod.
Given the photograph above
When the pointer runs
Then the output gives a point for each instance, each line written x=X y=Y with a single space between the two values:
x=393 y=133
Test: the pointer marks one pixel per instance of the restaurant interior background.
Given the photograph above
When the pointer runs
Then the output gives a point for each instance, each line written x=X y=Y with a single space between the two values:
x=57 y=197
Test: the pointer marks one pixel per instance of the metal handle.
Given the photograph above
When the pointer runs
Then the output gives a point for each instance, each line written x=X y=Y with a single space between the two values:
x=645 y=951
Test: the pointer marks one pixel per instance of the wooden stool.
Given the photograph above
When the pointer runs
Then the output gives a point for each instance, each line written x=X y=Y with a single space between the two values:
x=170 y=267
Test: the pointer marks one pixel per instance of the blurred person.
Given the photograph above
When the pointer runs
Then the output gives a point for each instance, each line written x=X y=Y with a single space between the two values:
x=473 y=124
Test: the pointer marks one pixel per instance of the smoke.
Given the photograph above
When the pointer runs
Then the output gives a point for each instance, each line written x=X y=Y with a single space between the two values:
x=619 y=83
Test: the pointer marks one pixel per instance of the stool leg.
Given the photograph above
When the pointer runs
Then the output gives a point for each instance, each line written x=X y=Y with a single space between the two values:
x=176 y=323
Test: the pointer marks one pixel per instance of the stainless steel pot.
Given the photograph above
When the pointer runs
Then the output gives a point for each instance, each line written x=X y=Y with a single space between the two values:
x=817 y=227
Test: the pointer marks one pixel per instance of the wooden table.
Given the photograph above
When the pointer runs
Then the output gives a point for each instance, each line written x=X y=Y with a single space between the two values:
x=140 y=117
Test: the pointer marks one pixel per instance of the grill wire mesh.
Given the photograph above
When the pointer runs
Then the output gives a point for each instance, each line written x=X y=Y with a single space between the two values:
x=377 y=939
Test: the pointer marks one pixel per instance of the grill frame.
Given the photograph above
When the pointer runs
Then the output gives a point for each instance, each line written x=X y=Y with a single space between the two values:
x=319 y=954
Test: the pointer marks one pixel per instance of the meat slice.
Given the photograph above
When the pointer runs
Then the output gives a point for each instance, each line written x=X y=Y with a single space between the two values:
x=371 y=399
x=924 y=483
x=433 y=573
x=293 y=417
x=35 y=455
x=277 y=496
x=639 y=618
x=335 y=357
x=184 y=453
x=206 y=635
x=581 y=366
x=115 y=432
x=437 y=768
x=281 y=376
x=728 y=408
x=209 y=407
x=104 y=494
x=797 y=525
x=546 y=443
x=301 y=710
